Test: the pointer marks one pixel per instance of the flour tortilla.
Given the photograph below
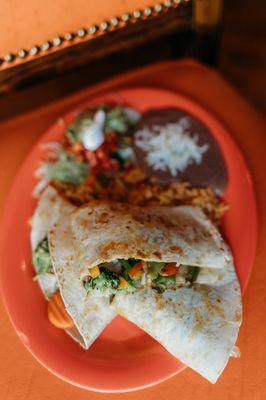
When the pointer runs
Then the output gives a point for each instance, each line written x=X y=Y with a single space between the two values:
x=106 y=231
x=50 y=209
x=198 y=325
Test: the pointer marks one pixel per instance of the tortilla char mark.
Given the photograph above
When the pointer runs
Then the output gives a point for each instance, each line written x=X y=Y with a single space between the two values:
x=146 y=218
x=111 y=247
x=176 y=249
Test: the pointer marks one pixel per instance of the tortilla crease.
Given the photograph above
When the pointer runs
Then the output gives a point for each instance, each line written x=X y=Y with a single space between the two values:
x=198 y=325
x=51 y=207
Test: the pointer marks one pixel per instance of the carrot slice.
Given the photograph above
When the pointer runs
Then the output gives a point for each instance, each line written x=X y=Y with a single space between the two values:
x=169 y=270
x=136 y=271
x=57 y=313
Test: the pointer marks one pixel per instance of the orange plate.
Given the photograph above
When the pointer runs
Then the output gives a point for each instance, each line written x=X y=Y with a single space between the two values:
x=124 y=358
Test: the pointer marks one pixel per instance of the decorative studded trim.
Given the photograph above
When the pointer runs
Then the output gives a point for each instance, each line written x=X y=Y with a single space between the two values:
x=83 y=34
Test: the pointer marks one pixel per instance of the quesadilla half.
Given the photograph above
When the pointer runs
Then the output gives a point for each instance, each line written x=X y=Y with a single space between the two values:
x=168 y=270
x=52 y=208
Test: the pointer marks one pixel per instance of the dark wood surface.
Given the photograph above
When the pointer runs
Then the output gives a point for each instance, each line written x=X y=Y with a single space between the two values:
x=243 y=48
x=242 y=58
x=48 y=78
x=71 y=58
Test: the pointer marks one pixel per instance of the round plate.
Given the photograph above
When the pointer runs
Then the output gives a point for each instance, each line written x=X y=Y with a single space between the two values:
x=123 y=358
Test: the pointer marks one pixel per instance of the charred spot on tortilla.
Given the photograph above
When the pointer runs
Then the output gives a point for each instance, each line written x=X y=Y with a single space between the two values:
x=238 y=316
x=177 y=249
x=172 y=145
x=103 y=218
x=141 y=254
x=112 y=246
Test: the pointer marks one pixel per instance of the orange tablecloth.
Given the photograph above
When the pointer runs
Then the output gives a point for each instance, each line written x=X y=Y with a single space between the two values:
x=21 y=377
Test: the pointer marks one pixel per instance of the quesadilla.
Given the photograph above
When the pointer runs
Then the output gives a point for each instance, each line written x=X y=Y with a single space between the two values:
x=168 y=270
x=52 y=208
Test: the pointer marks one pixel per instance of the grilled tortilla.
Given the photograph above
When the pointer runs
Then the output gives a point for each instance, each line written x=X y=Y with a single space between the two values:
x=197 y=323
x=50 y=209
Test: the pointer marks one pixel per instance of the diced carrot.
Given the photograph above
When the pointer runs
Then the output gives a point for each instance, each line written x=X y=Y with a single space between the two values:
x=94 y=272
x=57 y=313
x=169 y=270
x=136 y=271
x=123 y=282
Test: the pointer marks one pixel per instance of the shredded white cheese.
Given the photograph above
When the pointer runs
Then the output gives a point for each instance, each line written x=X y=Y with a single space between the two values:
x=170 y=146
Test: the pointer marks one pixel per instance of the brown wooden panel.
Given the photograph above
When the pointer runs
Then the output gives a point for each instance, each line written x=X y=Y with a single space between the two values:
x=73 y=57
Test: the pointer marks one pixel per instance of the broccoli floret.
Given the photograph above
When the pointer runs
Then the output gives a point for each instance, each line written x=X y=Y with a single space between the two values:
x=107 y=280
x=163 y=282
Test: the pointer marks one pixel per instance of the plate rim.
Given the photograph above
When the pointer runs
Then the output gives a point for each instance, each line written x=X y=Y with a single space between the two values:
x=201 y=108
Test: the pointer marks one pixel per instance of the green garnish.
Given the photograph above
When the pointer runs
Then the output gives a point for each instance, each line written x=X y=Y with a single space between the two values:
x=68 y=169
x=76 y=130
x=117 y=120
x=41 y=257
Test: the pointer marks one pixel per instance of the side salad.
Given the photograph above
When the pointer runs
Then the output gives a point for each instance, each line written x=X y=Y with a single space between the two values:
x=98 y=142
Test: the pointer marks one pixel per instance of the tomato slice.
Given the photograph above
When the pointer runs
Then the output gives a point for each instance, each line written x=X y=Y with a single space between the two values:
x=169 y=270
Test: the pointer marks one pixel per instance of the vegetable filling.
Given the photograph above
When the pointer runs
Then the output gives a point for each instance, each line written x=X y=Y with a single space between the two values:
x=129 y=275
x=133 y=274
x=41 y=258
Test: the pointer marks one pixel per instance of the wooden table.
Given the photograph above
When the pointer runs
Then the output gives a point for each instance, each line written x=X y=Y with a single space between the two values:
x=21 y=377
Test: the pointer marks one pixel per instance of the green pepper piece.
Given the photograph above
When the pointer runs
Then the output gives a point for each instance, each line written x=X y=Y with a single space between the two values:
x=192 y=274
x=154 y=268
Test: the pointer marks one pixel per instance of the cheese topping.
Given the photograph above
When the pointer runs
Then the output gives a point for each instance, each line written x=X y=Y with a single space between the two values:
x=170 y=146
